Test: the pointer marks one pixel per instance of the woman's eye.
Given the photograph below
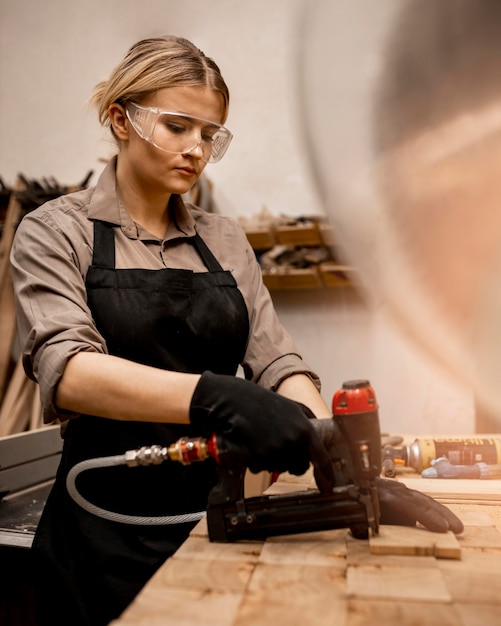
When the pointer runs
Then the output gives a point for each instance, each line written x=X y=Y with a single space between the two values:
x=176 y=129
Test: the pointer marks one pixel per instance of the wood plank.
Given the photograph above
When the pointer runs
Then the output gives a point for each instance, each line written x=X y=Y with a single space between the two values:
x=400 y=583
x=479 y=614
x=488 y=537
x=415 y=541
x=157 y=606
x=492 y=511
x=456 y=490
x=232 y=576
x=258 y=610
x=384 y=613
x=358 y=552
x=190 y=587
x=294 y=595
x=200 y=530
x=317 y=548
x=200 y=548
x=474 y=579
x=471 y=518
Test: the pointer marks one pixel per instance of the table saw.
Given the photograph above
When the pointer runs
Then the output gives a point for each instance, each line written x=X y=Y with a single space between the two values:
x=28 y=464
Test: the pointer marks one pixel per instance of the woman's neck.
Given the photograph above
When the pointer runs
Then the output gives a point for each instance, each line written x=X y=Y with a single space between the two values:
x=146 y=208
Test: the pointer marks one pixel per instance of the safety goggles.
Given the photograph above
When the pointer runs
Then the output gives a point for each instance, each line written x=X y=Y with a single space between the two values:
x=179 y=133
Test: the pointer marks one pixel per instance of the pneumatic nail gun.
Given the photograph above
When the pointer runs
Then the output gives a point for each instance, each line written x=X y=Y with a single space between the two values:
x=353 y=440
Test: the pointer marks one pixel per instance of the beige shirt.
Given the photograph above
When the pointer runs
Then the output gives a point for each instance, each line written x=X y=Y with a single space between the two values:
x=52 y=251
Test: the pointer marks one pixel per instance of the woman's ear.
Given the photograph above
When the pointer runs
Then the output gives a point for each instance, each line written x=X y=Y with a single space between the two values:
x=119 y=121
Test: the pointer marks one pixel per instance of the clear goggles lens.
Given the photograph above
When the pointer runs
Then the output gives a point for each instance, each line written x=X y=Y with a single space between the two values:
x=179 y=133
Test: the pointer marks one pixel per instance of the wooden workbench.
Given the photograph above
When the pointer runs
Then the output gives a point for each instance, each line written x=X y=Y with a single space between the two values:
x=328 y=578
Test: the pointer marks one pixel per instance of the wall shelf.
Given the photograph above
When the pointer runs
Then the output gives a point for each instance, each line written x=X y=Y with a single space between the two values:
x=303 y=235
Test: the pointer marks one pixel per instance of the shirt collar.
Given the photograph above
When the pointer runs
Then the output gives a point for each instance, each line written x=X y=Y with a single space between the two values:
x=105 y=206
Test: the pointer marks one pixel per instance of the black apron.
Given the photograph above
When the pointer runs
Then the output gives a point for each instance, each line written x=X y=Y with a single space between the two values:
x=172 y=319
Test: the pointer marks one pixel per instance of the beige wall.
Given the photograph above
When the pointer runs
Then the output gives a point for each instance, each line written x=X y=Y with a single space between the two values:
x=54 y=51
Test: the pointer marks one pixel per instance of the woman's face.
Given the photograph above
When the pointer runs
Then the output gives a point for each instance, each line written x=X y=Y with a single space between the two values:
x=164 y=172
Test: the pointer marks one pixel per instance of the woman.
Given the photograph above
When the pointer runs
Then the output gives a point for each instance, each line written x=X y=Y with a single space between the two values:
x=135 y=311
x=126 y=296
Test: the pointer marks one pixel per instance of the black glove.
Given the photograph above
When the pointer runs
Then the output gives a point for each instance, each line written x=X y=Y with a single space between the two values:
x=265 y=430
x=402 y=506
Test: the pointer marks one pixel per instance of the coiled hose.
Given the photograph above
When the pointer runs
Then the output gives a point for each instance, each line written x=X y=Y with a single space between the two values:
x=111 y=461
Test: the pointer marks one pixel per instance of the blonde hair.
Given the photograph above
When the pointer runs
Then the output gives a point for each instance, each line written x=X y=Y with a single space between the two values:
x=158 y=63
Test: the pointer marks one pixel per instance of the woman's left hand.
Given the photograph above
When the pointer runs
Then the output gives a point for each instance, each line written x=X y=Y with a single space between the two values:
x=402 y=506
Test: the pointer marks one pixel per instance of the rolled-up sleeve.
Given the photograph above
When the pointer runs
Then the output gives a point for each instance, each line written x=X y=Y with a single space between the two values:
x=54 y=321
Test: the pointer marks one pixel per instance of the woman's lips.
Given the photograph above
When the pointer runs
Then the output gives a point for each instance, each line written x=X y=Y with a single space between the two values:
x=186 y=171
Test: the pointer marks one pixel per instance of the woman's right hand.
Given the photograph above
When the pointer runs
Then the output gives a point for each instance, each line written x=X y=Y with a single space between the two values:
x=267 y=431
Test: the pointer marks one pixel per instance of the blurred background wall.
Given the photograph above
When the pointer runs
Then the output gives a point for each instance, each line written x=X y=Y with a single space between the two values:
x=52 y=53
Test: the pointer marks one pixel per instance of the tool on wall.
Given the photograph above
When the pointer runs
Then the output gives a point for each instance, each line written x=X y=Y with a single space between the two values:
x=353 y=440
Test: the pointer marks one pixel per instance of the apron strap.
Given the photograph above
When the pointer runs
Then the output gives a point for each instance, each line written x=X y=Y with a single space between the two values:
x=103 y=254
x=208 y=258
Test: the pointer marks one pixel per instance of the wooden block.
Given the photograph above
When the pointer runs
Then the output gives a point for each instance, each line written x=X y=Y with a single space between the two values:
x=479 y=514
x=457 y=490
x=358 y=552
x=294 y=595
x=200 y=530
x=474 y=579
x=317 y=548
x=198 y=547
x=232 y=576
x=384 y=613
x=289 y=583
x=258 y=610
x=487 y=537
x=478 y=614
x=471 y=517
x=415 y=541
x=337 y=537
x=157 y=606
x=399 y=583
